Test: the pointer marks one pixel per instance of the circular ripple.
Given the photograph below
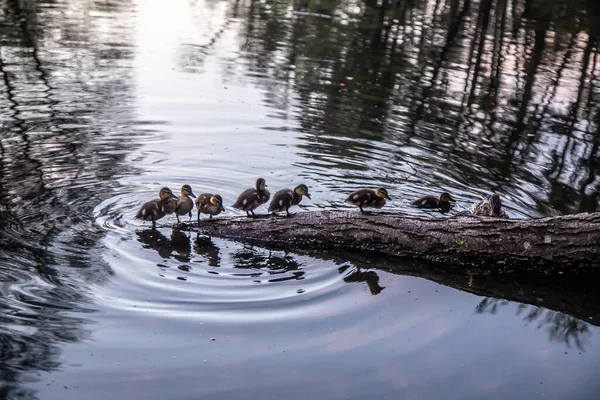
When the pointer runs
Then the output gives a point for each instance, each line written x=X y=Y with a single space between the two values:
x=192 y=276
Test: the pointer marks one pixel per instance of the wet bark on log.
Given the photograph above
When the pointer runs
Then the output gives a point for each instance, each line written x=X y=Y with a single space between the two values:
x=563 y=243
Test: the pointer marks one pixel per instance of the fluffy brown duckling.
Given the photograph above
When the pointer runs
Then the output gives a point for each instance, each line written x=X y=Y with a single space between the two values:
x=285 y=198
x=211 y=204
x=154 y=210
x=489 y=206
x=443 y=202
x=368 y=198
x=251 y=198
x=184 y=204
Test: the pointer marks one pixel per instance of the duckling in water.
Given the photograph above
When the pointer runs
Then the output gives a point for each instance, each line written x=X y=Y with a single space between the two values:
x=211 y=204
x=368 y=198
x=184 y=204
x=433 y=202
x=489 y=206
x=285 y=198
x=251 y=198
x=154 y=210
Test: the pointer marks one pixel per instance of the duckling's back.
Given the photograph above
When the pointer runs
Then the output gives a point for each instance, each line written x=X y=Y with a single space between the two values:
x=151 y=210
x=247 y=201
x=282 y=200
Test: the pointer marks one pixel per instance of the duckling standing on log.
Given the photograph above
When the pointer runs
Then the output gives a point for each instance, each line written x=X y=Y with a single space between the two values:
x=285 y=198
x=154 y=210
x=184 y=203
x=211 y=204
x=489 y=206
x=251 y=198
x=368 y=198
x=443 y=202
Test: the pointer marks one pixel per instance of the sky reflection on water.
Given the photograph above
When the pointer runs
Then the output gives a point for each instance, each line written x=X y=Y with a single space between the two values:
x=105 y=102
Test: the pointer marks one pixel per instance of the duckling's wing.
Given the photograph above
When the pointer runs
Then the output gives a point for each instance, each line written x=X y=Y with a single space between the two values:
x=203 y=199
x=427 y=202
x=275 y=202
x=147 y=210
x=245 y=199
x=420 y=202
x=358 y=197
x=169 y=206
x=350 y=198
x=281 y=199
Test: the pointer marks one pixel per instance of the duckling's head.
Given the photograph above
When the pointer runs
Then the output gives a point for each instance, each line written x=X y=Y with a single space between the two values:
x=496 y=203
x=302 y=190
x=382 y=193
x=261 y=184
x=165 y=193
x=217 y=200
x=186 y=190
x=446 y=198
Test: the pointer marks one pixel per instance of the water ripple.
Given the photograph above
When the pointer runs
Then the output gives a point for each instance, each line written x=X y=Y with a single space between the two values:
x=217 y=280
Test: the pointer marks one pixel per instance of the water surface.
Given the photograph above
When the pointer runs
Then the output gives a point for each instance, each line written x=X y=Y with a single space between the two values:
x=105 y=102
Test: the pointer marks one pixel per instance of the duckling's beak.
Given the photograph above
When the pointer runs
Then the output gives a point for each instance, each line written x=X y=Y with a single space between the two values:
x=192 y=195
x=451 y=198
x=388 y=197
x=222 y=208
x=307 y=195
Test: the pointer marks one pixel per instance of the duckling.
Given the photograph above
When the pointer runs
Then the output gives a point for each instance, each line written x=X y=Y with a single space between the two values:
x=489 y=206
x=285 y=198
x=170 y=205
x=154 y=210
x=433 y=202
x=368 y=198
x=251 y=198
x=211 y=204
x=184 y=204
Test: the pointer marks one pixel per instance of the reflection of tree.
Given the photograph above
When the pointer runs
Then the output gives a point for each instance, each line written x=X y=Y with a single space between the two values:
x=281 y=265
x=48 y=149
x=504 y=92
x=61 y=138
x=561 y=327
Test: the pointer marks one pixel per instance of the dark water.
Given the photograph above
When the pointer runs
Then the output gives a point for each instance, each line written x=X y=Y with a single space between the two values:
x=104 y=102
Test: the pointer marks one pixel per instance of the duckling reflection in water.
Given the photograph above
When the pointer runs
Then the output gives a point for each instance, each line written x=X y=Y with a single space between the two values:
x=249 y=257
x=155 y=240
x=368 y=198
x=211 y=204
x=369 y=277
x=184 y=204
x=204 y=246
x=443 y=202
x=179 y=242
x=154 y=210
x=489 y=206
x=285 y=198
x=251 y=198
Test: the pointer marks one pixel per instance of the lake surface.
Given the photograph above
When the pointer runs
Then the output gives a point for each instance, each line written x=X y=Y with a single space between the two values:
x=104 y=102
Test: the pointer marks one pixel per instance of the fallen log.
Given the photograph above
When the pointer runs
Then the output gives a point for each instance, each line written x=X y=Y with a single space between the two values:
x=563 y=243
